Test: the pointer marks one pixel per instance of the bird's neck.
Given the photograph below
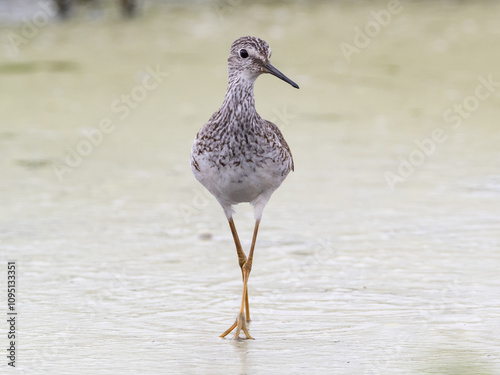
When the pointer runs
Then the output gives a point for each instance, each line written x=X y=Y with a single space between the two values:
x=239 y=104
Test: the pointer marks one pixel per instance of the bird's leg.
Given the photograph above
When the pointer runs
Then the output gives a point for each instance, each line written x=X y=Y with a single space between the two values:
x=246 y=269
x=241 y=323
x=242 y=258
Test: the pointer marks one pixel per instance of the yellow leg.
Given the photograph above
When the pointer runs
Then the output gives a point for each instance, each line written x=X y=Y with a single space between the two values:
x=246 y=268
x=242 y=258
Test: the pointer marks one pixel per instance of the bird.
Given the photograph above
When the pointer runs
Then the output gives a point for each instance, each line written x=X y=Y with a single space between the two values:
x=239 y=157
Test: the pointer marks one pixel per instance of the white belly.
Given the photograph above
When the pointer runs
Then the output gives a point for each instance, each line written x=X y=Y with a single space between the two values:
x=246 y=182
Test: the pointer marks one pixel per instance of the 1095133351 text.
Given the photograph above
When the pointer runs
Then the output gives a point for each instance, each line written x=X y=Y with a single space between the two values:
x=11 y=313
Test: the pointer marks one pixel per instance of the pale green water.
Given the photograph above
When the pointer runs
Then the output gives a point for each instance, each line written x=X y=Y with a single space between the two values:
x=350 y=276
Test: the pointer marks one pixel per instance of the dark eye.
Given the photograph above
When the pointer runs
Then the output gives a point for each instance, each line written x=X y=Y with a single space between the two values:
x=243 y=53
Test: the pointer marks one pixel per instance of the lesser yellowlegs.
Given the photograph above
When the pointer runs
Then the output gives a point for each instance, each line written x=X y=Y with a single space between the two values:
x=240 y=157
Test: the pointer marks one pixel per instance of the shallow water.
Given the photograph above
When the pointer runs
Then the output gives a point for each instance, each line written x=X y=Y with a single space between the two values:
x=365 y=263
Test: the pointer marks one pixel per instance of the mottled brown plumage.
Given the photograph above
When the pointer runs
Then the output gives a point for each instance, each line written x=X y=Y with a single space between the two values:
x=237 y=155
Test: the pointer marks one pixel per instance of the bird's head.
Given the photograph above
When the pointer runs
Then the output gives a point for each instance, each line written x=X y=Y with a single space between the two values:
x=249 y=58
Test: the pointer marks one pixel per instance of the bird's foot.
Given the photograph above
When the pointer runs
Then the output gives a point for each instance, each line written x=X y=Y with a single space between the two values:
x=240 y=324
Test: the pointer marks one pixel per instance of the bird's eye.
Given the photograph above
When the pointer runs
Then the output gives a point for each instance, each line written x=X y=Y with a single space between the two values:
x=243 y=53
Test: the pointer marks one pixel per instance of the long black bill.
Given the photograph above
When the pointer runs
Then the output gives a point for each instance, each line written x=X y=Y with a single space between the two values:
x=275 y=72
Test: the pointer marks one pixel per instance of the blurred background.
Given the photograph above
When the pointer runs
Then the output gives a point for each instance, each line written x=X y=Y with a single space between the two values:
x=378 y=255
